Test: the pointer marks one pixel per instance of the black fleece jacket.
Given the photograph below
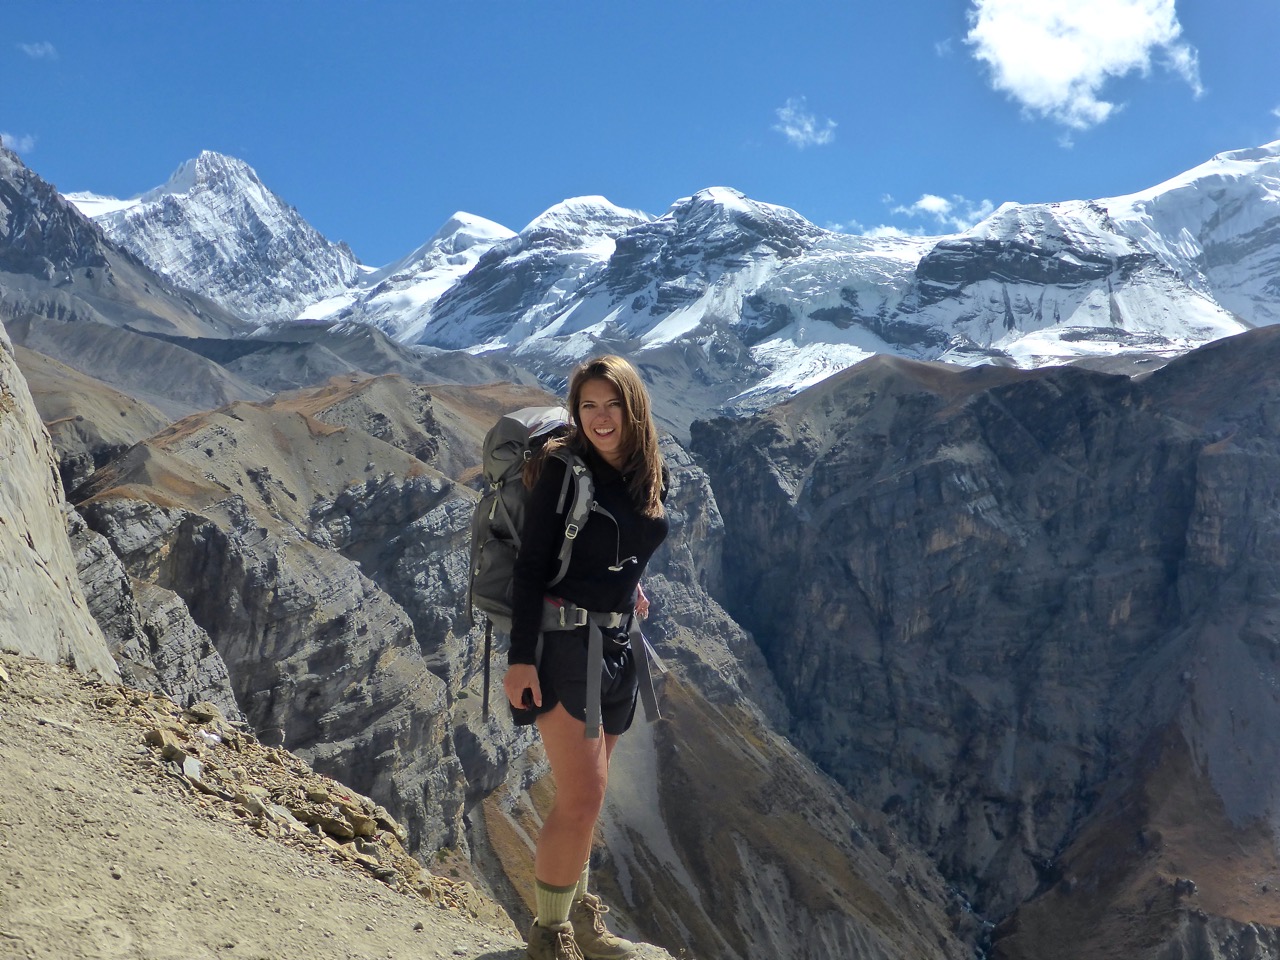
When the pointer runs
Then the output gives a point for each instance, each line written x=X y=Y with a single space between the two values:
x=600 y=544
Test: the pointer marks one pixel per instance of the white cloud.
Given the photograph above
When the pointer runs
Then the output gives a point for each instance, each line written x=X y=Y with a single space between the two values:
x=802 y=128
x=884 y=230
x=18 y=144
x=929 y=203
x=1055 y=56
x=858 y=229
x=44 y=50
x=956 y=214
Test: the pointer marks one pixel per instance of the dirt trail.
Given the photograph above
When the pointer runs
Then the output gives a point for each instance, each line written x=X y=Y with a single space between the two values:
x=107 y=851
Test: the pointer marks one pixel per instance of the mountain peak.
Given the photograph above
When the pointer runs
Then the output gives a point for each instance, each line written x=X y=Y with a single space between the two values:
x=216 y=228
x=470 y=228
x=1268 y=151
x=210 y=170
x=726 y=197
x=592 y=215
x=717 y=211
x=726 y=202
x=9 y=161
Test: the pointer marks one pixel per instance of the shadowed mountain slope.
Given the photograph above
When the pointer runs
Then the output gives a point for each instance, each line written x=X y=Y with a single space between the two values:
x=1022 y=608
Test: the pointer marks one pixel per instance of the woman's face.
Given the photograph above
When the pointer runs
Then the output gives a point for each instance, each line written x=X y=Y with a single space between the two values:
x=600 y=415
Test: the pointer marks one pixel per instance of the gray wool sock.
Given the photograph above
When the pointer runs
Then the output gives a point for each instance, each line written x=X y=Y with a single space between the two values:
x=554 y=903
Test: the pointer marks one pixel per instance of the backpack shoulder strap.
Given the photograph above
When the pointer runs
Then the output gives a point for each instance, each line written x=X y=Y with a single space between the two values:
x=584 y=491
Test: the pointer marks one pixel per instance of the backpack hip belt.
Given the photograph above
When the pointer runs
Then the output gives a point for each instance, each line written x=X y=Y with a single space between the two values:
x=561 y=615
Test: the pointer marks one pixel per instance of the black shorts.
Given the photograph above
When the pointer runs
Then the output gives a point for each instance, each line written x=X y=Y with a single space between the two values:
x=562 y=674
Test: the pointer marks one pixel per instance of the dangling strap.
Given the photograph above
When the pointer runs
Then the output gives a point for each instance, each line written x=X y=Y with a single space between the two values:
x=595 y=667
x=640 y=649
x=488 y=646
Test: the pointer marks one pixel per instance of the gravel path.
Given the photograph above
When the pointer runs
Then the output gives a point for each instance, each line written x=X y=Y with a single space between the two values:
x=106 y=851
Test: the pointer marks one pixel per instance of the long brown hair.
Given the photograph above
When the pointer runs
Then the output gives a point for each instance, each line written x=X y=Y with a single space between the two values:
x=641 y=456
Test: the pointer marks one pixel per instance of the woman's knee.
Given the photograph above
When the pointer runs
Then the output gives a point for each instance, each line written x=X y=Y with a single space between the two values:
x=581 y=801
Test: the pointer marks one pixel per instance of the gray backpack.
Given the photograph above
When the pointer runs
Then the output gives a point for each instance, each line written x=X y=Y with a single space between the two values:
x=499 y=516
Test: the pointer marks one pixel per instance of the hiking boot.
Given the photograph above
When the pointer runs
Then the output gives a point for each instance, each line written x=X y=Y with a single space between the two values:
x=594 y=939
x=552 y=943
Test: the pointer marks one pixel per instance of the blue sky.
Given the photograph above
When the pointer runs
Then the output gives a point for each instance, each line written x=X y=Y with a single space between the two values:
x=378 y=120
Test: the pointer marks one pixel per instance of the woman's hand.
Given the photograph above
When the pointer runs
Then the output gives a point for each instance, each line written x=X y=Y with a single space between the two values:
x=642 y=603
x=522 y=677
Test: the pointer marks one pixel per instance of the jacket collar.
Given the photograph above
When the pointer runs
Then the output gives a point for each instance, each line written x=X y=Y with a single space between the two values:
x=601 y=469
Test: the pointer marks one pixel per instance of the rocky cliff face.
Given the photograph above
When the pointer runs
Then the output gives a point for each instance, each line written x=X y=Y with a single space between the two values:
x=1010 y=597
x=216 y=510
x=149 y=629
x=44 y=613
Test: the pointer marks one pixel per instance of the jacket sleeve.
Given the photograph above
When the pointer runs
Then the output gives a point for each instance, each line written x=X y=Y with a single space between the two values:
x=538 y=560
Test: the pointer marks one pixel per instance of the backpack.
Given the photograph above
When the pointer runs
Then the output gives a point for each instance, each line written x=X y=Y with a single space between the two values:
x=499 y=516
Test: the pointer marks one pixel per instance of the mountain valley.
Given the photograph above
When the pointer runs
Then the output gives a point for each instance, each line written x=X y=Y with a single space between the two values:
x=971 y=649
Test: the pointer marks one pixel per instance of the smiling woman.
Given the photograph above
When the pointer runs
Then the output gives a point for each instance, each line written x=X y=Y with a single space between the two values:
x=569 y=680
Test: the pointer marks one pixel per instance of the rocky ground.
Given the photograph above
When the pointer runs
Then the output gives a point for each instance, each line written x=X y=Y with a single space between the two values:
x=132 y=828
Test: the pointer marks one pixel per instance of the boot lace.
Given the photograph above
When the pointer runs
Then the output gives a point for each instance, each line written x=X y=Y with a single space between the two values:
x=595 y=906
x=567 y=946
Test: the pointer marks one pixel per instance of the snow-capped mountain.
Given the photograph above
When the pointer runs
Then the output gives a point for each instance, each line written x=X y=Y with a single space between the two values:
x=782 y=303
x=56 y=265
x=1218 y=227
x=215 y=228
x=718 y=265
x=398 y=299
x=523 y=284
x=1046 y=282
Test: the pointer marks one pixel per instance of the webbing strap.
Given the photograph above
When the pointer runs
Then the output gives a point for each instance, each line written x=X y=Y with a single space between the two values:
x=640 y=647
x=488 y=648
x=506 y=516
x=564 y=487
x=595 y=667
x=579 y=510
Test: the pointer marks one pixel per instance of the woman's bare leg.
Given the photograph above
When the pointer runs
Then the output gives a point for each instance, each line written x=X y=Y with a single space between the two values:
x=580 y=768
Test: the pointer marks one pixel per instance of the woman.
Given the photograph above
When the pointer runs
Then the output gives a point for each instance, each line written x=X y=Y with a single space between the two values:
x=614 y=434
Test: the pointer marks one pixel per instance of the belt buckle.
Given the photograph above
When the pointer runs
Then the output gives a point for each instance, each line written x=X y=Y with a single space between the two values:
x=580 y=617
